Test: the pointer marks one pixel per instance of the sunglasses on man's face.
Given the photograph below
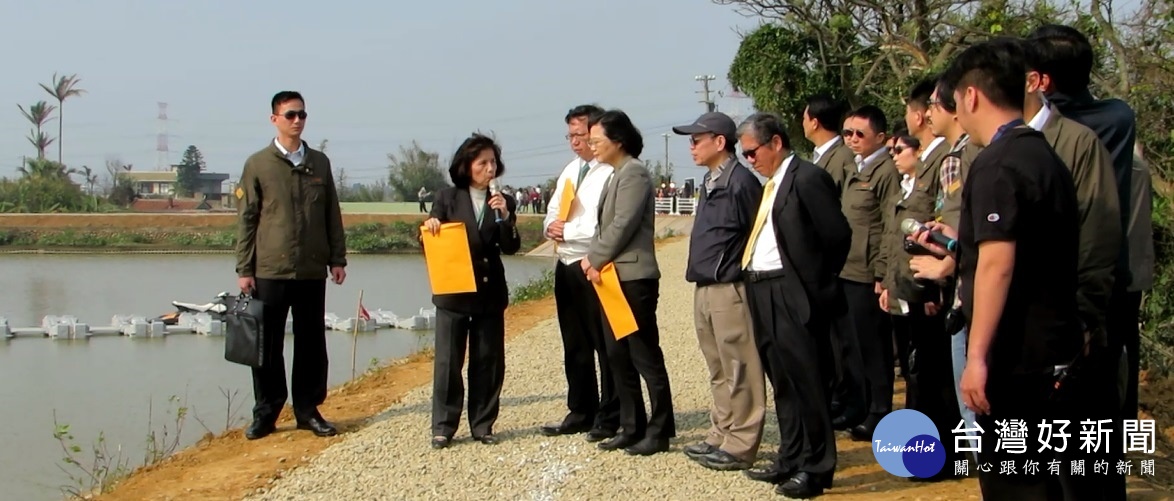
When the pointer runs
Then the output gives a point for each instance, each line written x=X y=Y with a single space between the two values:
x=751 y=153
x=853 y=132
x=291 y=114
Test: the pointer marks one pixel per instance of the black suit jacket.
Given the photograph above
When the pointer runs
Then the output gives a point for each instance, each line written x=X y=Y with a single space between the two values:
x=486 y=245
x=813 y=237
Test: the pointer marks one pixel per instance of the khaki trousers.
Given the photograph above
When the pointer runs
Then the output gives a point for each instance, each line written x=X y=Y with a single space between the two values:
x=725 y=334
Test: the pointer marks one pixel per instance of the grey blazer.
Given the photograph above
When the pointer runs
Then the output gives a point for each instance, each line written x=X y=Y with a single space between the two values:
x=627 y=224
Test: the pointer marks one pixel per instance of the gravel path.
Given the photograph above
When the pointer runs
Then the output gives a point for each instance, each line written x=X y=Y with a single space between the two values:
x=391 y=458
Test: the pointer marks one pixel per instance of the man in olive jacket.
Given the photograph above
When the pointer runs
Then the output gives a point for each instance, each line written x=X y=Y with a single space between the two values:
x=290 y=233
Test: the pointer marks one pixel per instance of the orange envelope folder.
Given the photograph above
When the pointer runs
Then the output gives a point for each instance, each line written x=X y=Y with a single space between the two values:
x=615 y=306
x=566 y=202
x=450 y=265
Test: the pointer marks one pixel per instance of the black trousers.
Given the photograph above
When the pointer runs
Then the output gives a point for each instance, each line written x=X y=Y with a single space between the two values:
x=930 y=380
x=306 y=299
x=1124 y=316
x=1026 y=397
x=484 y=336
x=791 y=357
x=849 y=386
x=874 y=336
x=636 y=356
x=581 y=325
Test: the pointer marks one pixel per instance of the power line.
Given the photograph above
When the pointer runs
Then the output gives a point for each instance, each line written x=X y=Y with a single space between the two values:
x=705 y=79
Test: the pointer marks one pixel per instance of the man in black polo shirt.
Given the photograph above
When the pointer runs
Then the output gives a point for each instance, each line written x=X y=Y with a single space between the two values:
x=721 y=226
x=1017 y=253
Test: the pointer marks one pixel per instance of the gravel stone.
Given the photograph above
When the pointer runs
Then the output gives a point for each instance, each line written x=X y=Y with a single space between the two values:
x=392 y=459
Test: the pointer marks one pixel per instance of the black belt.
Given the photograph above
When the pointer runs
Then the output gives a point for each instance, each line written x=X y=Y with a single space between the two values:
x=758 y=276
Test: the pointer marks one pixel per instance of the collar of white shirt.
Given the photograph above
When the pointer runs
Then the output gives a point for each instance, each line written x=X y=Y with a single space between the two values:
x=823 y=148
x=861 y=162
x=298 y=153
x=932 y=144
x=1041 y=117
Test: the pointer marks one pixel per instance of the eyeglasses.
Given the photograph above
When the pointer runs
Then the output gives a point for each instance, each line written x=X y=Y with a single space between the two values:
x=751 y=153
x=289 y=115
x=853 y=132
x=581 y=136
x=897 y=150
x=694 y=140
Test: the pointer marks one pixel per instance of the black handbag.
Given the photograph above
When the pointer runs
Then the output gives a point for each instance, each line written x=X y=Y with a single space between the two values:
x=245 y=334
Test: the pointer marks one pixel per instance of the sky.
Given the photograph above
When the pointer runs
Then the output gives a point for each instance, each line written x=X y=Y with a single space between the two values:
x=375 y=75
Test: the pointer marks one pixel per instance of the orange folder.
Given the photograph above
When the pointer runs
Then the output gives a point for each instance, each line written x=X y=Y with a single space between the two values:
x=566 y=202
x=615 y=306
x=450 y=265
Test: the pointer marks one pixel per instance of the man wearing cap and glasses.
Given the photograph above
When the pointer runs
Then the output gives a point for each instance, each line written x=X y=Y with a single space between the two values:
x=721 y=224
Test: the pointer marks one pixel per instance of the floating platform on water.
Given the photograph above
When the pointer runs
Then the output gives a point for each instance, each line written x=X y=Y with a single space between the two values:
x=207 y=324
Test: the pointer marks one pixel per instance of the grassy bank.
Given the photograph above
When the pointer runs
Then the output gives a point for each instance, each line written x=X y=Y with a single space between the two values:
x=392 y=237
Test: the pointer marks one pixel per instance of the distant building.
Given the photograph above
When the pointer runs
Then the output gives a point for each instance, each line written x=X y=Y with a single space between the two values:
x=161 y=184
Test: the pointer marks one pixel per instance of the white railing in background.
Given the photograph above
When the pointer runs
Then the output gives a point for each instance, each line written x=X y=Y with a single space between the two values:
x=676 y=206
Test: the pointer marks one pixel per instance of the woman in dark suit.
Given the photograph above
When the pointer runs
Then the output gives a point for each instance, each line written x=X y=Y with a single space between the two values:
x=625 y=238
x=475 y=318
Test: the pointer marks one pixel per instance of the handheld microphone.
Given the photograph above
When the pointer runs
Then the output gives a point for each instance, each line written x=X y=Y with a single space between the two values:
x=495 y=190
x=910 y=226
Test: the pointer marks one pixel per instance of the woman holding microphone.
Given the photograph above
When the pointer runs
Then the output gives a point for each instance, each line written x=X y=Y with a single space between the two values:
x=475 y=318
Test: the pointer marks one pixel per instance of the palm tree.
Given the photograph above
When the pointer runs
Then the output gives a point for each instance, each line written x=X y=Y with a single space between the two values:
x=39 y=114
x=45 y=169
x=63 y=88
x=90 y=178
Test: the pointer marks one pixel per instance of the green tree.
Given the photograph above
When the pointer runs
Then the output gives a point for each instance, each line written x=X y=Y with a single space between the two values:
x=187 y=174
x=64 y=87
x=39 y=114
x=412 y=168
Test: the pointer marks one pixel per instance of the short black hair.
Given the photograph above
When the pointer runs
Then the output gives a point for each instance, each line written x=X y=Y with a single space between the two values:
x=1065 y=55
x=946 y=96
x=826 y=111
x=764 y=127
x=996 y=68
x=874 y=115
x=583 y=111
x=900 y=130
x=283 y=97
x=618 y=128
x=918 y=97
x=462 y=161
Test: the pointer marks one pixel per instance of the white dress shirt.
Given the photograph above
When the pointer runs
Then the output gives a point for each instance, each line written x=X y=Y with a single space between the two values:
x=296 y=157
x=822 y=149
x=584 y=217
x=765 y=256
x=932 y=144
x=861 y=162
x=1041 y=117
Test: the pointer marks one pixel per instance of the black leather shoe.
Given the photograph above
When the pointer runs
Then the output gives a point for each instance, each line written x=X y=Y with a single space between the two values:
x=863 y=431
x=617 y=442
x=699 y=449
x=489 y=439
x=648 y=447
x=440 y=442
x=556 y=429
x=849 y=418
x=259 y=429
x=597 y=434
x=319 y=426
x=722 y=461
x=770 y=475
x=801 y=485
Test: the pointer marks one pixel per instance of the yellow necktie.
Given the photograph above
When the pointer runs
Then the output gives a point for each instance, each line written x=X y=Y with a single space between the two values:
x=759 y=221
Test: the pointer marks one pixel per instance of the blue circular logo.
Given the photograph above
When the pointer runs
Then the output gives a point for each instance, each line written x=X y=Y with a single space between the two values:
x=906 y=444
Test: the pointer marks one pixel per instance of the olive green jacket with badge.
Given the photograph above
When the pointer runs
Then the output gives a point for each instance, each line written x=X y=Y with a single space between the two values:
x=1100 y=211
x=861 y=202
x=952 y=173
x=919 y=206
x=290 y=221
x=838 y=161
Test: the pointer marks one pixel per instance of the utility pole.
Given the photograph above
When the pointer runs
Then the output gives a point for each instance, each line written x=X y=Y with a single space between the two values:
x=668 y=171
x=705 y=79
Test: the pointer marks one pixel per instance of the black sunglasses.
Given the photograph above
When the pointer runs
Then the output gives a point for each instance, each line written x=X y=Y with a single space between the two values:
x=752 y=152
x=853 y=132
x=289 y=115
